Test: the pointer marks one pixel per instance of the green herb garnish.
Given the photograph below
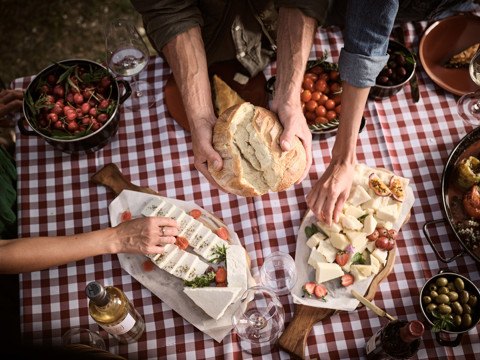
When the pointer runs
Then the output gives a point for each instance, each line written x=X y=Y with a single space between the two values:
x=361 y=218
x=200 y=281
x=311 y=230
x=358 y=258
x=221 y=255
x=442 y=322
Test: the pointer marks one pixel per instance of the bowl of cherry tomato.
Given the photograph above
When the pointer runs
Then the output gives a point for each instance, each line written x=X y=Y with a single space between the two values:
x=74 y=105
x=398 y=70
x=321 y=95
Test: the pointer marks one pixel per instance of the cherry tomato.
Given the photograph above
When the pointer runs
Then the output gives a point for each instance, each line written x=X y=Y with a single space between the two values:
x=306 y=96
x=330 y=104
x=334 y=75
x=316 y=95
x=382 y=232
x=381 y=243
x=126 y=215
x=317 y=70
x=324 y=76
x=323 y=99
x=321 y=85
x=470 y=201
x=331 y=115
x=311 y=105
x=308 y=84
x=312 y=76
x=335 y=87
x=222 y=233
x=393 y=234
x=221 y=275
x=337 y=98
x=338 y=109
x=147 y=265
x=195 y=213
x=181 y=242
x=320 y=120
x=390 y=244
x=310 y=116
x=321 y=111
x=373 y=236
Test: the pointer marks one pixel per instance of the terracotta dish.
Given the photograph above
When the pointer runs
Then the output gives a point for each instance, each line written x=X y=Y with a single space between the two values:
x=444 y=39
x=253 y=91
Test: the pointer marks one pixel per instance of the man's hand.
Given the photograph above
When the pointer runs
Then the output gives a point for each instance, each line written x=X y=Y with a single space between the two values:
x=10 y=102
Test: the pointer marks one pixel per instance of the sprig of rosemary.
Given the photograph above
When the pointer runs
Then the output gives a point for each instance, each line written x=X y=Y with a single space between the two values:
x=442 y=322
x=221 y=255
x=200 y=281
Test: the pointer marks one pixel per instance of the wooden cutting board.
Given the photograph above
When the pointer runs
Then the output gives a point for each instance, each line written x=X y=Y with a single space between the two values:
x=294 y=338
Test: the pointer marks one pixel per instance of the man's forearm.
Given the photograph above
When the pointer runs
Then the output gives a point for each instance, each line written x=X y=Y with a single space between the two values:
x=186 y=56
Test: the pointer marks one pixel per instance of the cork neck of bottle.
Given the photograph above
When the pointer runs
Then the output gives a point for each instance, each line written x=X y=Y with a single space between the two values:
x=97 y=294
x=412 y=331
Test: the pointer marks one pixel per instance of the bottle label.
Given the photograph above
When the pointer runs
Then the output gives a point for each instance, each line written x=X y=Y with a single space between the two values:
x=372 y=343
x=119 y=329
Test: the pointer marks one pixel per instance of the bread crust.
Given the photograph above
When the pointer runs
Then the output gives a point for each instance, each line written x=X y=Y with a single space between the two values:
x=280 y=169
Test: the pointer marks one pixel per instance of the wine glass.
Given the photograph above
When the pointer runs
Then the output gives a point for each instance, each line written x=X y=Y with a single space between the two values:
x=258 y=320
x=127 y=55
x=83 y=336
x=469 y=104
x=278 y=272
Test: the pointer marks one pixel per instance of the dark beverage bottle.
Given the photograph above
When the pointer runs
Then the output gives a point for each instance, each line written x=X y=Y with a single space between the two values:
x=399 y=339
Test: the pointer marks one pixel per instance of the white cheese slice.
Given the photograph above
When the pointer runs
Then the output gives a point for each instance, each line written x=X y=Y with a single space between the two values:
x=369 y=224
x=168 y=251
x=184 y=265
x=381 y=255
x=199 y=235
x=327 y=271
x=357 y=239
x=189 y=231
x=237 y=267
x=315 y=239
x=152 y=207
x=207 y=250
x=358 y=195
x=172 y=261
x=354 y=211
x=213 y=300
x=352 y=223
x=334 y=228
x=374 y=203
x=328 y=251
x=375 y=264
x=360 y=272
x=164 y=208
x=371 y=246
x=315 y=258
x=176 y=213
x=197 y=269
x=361 y=175
x=388 y=213
x=339 y=241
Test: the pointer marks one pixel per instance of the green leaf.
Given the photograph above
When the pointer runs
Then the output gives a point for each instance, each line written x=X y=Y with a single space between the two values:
x=221 y=255
x=311 y=230
x=361 y=218
x=201 y=281
x=443 y=322
x=358 y=257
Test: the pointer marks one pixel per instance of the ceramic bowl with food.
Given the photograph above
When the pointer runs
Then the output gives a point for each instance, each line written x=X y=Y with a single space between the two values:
x=397 y=72
x=450 y=303
x=74 y=105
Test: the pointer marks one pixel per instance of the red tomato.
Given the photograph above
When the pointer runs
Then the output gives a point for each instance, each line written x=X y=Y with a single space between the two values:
x=308 y=84
x=321 y=110
x=147 y=265
x=373 y=236
x=335 y=87
x=181 y=242
x=317 y=70
x=222 y=233
x=337 y=98
x=306 y=96
x=331 y=115
x=334 y=75
x=382 y=243
x=195 y=213
x=382 y=232
x=324 y=76
x=323 y=99
x=126 y=215
x=330 y=104
x=312 y=76
x=321 y=85
x=311 y=105
x=338 y=109
x=310 y=116
x=470 y=201
x=221 y=284
x=316 y=95
x=320 y=120
x=393 y=234
x=390 y=244
x=221 y=275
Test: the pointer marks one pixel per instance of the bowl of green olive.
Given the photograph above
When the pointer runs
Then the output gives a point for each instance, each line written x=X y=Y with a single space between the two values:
x=450 y=303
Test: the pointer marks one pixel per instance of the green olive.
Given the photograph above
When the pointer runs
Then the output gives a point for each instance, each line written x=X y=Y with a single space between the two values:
x=442 y=299
x=453 y=295
x=451 y=286
x=459 y=285
x=432 y=287
x=472 y=301
x=443 y=290
x=457 y=320
x=464 y=297
x=457 y=308
x=467 y=309
x=426 y=299
x=431 y=308
x=441 y=281
x=466 y=320
x=444 y=309
x=433 y=294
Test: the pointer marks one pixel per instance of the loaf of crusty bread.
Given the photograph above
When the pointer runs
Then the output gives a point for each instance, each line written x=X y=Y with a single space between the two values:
x=247 y=138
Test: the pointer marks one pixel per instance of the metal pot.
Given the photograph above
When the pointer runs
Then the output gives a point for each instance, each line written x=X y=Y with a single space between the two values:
x=88 y=143
x=471 y=288
x=467 y=144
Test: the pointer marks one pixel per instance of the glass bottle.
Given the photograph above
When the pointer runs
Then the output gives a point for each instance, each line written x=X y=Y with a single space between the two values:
x=112 y=310
x=399 y=339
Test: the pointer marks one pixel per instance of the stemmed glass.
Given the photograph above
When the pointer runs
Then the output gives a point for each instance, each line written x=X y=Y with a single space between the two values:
x=258 y=320
x=127 y=55
x=278 y=272
x=469 y=104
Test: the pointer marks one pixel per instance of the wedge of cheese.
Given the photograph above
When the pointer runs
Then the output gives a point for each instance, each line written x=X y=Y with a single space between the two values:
x=357 y=239
x=315 y=258
x=339 y=241
x=375 y=264
x=213 y=300
x=369 y=224
x=381 y=255
x=358 y=196
x=327 y=271
x=388 y=213
x=209 y=247
x=315 y=239
x=355 y=211
x=360 y=272
x=350 y=222
x=237 y=267
x=328 y=251
x=334 y=228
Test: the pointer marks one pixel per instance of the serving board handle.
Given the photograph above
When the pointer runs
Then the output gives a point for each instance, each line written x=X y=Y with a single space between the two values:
x=111 y=177
x=294 y=338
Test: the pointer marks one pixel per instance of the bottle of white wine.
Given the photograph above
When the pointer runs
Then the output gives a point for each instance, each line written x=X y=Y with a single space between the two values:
x=112 y=310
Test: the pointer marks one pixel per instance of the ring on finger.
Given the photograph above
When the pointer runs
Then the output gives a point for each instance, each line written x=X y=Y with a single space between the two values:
x=163 y=230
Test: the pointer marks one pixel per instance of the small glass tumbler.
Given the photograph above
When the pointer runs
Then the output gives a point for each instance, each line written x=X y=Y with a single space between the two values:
x=83 y=336
x=278 y=272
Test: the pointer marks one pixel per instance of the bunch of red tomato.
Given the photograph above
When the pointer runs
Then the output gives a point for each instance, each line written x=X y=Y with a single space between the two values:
x=384 y=239
x=321 y=95
x=76 y=104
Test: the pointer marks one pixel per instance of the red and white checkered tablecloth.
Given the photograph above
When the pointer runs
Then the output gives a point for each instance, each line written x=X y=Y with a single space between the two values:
x=56 y=197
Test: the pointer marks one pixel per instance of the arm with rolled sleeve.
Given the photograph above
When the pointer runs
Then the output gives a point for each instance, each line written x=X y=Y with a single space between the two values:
x=368 y=26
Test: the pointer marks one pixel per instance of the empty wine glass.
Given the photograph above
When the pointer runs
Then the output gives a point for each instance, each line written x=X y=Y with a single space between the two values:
x=469 y=104
x=278 y=272
x=84 y=337
x=127 y=55
x=258 y=320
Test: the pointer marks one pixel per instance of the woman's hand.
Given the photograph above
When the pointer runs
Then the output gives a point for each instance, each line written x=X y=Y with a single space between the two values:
x=145 y=235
